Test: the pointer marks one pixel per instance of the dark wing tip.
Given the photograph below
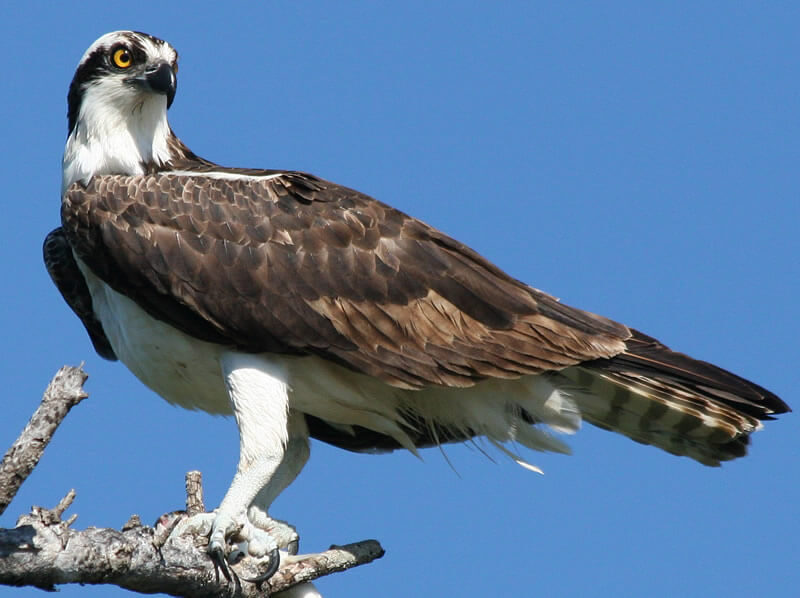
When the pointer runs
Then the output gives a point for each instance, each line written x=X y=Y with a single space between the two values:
x=646 y=354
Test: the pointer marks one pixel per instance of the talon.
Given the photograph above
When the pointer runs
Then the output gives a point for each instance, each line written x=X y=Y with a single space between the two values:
x=293 y=546
x=274 y=564
x=217 y=555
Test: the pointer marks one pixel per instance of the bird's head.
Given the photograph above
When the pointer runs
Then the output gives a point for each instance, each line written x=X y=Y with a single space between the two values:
x=117 y=106
x=121 y=72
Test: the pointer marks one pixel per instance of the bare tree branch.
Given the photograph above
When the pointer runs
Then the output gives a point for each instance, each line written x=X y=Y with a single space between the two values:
x=63 y=393
x=43 y=551
x=307 y=567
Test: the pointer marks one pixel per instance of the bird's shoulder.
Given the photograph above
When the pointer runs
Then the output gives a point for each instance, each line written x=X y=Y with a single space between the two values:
x=237 y=204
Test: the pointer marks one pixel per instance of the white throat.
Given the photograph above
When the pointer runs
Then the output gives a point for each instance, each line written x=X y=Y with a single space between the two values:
x=118 y=131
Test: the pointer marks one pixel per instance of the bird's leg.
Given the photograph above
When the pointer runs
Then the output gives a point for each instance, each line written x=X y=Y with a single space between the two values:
x=258 y=392
x=294 y=458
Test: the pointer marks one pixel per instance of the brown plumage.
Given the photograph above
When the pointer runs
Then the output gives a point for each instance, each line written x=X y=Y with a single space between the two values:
x=297 y=265
x=65 y=274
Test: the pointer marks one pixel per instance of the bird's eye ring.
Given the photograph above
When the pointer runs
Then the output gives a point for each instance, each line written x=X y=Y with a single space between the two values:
x=122 y=58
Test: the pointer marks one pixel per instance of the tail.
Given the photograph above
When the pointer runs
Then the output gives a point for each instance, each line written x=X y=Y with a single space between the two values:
x=657 y=396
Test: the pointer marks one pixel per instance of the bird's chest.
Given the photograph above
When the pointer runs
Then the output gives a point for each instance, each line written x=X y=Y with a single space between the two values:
x=183 y=370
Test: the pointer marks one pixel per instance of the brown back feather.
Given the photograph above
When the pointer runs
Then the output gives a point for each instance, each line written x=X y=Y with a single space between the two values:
x=298 y=265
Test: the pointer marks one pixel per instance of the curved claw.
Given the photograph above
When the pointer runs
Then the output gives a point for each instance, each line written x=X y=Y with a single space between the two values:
x=217 y=555
x=274 y=564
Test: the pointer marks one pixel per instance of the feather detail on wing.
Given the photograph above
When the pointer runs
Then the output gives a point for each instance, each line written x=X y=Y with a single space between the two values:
x=288 y=263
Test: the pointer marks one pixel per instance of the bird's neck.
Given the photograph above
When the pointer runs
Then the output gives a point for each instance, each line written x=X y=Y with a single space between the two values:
x=107 y=140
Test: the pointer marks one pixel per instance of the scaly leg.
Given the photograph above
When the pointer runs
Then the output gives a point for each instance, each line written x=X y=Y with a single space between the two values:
x=295 y=457
x=274 y=448
x=259 y=394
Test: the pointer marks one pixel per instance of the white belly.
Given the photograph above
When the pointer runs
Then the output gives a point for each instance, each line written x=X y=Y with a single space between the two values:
x=184 y=370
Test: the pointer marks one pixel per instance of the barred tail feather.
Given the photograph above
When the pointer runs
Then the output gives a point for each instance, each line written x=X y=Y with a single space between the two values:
x=667 y=399
x=670 y=419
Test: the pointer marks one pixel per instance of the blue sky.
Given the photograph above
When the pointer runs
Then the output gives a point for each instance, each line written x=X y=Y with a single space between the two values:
x=635 y=159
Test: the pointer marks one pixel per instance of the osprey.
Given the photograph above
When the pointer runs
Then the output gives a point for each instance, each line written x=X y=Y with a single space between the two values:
x=307 y=309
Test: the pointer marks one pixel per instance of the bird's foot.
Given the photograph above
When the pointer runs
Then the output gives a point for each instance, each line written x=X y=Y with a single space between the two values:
x=284 y=534
x=247 y=540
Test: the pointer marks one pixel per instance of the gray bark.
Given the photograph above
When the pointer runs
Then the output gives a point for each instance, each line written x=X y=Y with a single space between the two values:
x=63 y=393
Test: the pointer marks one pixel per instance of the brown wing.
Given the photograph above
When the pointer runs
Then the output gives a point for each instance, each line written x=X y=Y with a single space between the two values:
x=68 y=279
x=295 y=264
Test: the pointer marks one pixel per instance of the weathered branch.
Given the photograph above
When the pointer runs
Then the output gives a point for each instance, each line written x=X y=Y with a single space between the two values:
x=63 y=393
x=43 y=551
x=307 y=567
x=194 y=493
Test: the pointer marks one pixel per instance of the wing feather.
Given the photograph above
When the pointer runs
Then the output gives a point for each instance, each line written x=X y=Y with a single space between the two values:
x=295 y=264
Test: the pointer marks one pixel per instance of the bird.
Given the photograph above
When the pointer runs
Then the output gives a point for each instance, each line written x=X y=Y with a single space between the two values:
x=307 y=309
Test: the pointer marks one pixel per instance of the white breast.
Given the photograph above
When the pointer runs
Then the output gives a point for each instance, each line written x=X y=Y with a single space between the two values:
x=117 y=132
x=183 y=370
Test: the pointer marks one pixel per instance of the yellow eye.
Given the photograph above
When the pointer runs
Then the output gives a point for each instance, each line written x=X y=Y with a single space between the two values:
x=122 y=58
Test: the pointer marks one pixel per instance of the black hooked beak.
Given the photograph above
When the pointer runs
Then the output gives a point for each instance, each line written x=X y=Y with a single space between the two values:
x=159 y=78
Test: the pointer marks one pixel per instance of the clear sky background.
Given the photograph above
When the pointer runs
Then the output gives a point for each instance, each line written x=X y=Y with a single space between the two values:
x=639 y=160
